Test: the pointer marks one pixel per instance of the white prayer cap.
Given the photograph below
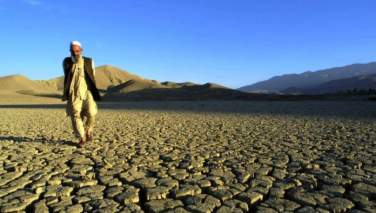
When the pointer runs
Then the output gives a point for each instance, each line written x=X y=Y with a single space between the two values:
x=77 y=43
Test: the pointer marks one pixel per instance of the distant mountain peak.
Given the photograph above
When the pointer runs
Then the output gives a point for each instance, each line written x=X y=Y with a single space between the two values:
x=309 y=79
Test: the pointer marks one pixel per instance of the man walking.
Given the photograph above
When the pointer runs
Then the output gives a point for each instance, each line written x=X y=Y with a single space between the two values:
x=81 y=92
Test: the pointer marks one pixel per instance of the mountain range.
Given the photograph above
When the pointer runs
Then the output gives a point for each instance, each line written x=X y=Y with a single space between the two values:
x=116 y=84
x=326 y=81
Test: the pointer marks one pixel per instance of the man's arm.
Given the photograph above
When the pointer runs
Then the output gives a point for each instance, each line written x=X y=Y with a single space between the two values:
x=93 y=67
x=64 y=98
x=96 y=94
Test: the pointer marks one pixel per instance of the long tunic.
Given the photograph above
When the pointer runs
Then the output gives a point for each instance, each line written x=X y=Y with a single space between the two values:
x=78 y=87
x=80 y=99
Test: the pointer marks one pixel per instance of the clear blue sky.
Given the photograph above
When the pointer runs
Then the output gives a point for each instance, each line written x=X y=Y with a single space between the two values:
x=230 y=42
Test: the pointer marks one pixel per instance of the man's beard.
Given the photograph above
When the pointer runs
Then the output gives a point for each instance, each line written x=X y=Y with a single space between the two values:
x=76 y=56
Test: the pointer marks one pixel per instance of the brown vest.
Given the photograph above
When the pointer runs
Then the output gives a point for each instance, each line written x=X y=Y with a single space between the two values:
x=89 y=77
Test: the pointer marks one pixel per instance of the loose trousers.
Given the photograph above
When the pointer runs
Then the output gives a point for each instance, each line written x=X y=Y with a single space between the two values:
x=78 y=110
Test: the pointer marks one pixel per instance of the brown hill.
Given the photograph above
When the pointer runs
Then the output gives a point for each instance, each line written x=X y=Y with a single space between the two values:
x=117 y=80
x=117 y=84
x=106 y=76
x=20 y=89
x=20 y=82
x=55 y=83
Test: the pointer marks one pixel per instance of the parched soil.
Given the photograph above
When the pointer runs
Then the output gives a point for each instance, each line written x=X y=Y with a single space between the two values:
x=191 y=157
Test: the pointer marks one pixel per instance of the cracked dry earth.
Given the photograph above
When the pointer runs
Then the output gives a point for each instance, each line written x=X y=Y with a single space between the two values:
x=192 y=157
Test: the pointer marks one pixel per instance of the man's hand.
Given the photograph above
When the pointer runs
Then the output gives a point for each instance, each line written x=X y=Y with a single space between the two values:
x=64 y=98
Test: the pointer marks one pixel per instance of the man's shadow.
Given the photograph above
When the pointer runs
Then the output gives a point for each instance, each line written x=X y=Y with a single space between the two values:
x=21 y=139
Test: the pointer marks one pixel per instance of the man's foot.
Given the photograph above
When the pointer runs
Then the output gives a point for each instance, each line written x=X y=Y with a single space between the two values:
x=82 y=142
x=89 y=137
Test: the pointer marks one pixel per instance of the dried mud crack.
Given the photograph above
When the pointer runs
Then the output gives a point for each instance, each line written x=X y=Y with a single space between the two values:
x=193 y=157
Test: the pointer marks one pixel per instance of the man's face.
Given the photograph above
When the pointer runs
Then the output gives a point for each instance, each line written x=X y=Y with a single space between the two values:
x=75 y=51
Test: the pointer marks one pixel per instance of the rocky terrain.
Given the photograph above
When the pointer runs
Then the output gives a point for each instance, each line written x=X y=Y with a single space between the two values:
x=192 y=157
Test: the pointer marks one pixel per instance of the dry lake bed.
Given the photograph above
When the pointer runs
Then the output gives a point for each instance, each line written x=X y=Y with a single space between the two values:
x=192 y=157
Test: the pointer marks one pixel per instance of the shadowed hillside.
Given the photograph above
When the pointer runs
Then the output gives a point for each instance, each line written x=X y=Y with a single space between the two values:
x=131 y=91
x=135 y=85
